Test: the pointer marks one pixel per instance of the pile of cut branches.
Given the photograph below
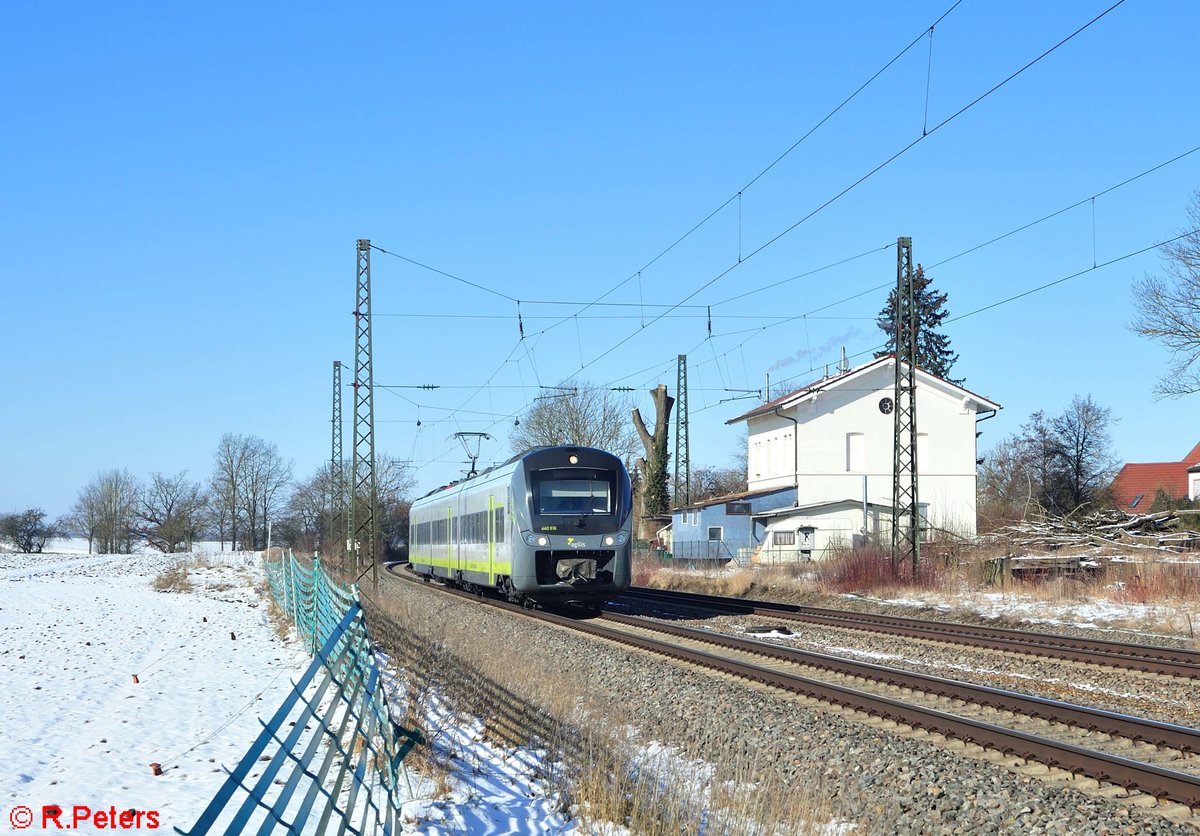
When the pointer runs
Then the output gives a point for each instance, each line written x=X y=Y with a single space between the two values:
x=1161 y=531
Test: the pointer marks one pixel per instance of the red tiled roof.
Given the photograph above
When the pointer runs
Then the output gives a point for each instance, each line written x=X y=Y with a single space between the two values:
x=1144 y=480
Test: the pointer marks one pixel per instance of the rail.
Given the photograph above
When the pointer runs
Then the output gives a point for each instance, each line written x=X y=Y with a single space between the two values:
x=1140 y=657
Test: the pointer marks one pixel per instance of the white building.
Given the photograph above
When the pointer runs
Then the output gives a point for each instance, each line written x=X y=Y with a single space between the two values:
x=833 y=440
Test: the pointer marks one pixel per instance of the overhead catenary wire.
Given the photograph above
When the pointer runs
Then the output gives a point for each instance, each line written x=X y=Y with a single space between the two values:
x=895 y=156
x=838 y=263
x=737 y=195
x=782 y=321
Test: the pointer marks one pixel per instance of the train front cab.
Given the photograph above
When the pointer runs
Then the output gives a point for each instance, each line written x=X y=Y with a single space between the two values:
x=574 y=539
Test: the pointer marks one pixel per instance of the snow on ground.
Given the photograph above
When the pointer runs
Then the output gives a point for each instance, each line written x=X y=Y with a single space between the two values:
x=1092 y=613
x=75 y=729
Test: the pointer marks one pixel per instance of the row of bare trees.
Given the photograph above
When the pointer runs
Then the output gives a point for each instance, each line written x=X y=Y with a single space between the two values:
x=115 y=510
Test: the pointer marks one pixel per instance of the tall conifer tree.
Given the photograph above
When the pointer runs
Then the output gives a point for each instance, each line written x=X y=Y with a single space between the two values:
x=933 y=349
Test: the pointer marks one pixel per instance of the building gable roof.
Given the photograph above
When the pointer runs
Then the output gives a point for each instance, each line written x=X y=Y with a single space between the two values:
x=798 y=395
x=729 y=497
x=1137 y=482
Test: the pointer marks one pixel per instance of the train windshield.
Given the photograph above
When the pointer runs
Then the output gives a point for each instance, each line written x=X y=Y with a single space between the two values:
x=572 y=491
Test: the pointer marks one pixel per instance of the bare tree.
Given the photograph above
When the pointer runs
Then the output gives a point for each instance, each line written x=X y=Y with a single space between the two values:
x=308 y=511
x=225 y=485
x=1169 y=309
x=711 y=482
x=1006 y=485
x=84 y=518
x=264 y=475
x=1086 y=465
x=1056 y=465
x=395 y=480
x=583 y=414
x=27 y=530
x=172 y=510
x=107 y=508
x=308 y=504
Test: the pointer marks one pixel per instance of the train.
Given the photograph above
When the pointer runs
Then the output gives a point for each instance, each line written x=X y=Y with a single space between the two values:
x=549 y=526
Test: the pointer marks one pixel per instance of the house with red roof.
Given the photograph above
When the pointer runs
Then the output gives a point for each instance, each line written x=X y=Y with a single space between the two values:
x=1137 y=483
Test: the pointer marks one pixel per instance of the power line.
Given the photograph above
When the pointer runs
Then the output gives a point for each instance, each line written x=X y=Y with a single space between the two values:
x=1083 y=272
x=864 y=177
x=1074 y=205
x=476 y=285
x=738 y=194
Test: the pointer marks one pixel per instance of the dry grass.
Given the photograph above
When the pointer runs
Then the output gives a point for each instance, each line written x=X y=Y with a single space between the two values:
x=281 y=623
x=597 y=772
x=173 y=579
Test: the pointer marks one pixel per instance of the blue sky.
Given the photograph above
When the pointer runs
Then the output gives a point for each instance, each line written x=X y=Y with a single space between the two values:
x=183 y=187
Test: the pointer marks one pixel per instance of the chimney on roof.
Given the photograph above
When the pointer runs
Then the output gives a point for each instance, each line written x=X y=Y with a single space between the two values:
x=844 y=364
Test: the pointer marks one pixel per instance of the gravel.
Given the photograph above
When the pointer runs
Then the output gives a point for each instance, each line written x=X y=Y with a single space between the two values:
x=1169 y=699
x=885 y=783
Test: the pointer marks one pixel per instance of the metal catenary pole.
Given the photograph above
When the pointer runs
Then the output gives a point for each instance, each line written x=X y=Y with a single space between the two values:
x=906 y=534
x=683 y=464
x=364 y=504
x=337 y=531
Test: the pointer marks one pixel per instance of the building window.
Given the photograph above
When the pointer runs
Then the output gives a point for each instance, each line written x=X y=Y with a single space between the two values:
x=716 y=532
x=1136 y=500
x=783 y=538
x=855 y=453
x=737 y=509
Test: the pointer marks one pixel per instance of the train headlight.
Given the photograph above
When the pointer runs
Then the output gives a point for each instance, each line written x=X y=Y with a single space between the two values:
x=543 y=541
x=573 y=459
x=621 y=539
x=609 y=540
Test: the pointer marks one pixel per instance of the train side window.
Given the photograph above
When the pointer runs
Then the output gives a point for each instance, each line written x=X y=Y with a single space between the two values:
x=499 y=524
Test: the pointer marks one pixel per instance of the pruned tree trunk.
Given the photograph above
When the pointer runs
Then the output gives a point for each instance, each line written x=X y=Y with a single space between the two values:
x=656 y=500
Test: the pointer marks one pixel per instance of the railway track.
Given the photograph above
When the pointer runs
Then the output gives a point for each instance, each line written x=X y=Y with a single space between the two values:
x=1145 y=658
x=1157 y=759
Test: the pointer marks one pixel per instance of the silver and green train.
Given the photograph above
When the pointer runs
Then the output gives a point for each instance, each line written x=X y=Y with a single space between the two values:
x=548 y=526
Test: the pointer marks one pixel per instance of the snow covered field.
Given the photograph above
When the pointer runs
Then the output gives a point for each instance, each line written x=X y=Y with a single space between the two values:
x=77 y=730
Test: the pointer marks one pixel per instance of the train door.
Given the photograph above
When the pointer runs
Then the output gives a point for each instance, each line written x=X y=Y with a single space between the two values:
x=491 y=539
x=451 y=544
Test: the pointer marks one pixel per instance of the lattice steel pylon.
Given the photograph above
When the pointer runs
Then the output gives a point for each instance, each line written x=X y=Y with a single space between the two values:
x=338 y=533
x=363 y=504
x=906 y=531
x=683 y=462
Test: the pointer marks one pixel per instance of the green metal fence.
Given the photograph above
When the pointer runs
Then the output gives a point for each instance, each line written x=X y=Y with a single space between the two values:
x=331 y=757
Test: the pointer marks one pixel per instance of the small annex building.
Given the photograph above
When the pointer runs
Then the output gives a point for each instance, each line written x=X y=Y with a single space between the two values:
x=829 y=445
x=1137 y=483
x=793 y=534
x=724 y=527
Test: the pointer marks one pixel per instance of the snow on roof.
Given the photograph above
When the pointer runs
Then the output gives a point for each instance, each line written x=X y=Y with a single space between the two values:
x=795 y=396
